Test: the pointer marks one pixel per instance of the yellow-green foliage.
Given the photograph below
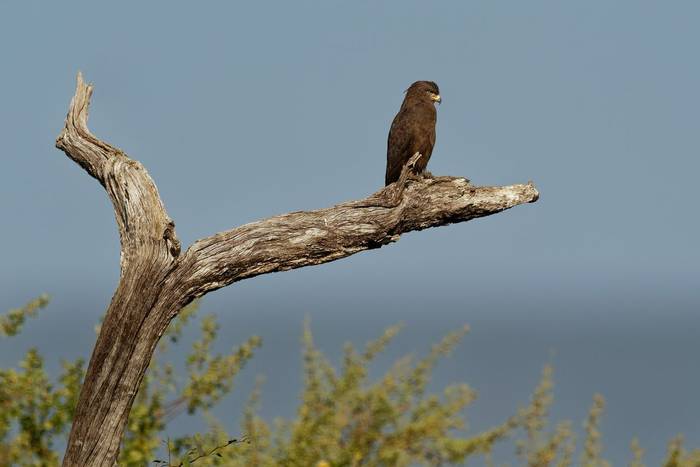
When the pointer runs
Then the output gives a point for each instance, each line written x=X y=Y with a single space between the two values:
x=344 y=417
x=11 y=322
x=209 y=378
x=388 y=422
x=677 y=456
x=33 y=412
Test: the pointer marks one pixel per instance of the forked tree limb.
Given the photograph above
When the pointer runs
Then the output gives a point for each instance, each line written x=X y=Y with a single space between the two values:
x=157 y=281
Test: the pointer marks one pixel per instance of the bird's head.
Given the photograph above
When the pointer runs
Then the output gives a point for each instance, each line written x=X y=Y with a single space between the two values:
x=427 y=90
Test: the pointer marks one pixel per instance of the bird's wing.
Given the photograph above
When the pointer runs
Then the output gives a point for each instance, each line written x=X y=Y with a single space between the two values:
x=398 y=146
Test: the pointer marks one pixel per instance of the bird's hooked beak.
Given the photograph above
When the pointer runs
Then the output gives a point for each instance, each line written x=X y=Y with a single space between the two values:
x=436 y=98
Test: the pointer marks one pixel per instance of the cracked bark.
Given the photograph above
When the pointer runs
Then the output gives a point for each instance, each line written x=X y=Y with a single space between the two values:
x=156 y=280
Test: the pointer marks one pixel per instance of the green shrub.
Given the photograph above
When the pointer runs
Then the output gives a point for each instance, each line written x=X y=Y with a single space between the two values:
x=344 y=418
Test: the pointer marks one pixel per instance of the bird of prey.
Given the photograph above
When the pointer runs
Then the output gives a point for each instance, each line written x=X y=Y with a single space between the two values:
x=413 y=130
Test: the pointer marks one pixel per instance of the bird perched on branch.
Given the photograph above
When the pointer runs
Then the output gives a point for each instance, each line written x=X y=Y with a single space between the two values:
x=413 y=130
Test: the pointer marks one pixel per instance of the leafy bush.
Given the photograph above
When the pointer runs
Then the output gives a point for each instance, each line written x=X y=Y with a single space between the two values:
x=343 y=419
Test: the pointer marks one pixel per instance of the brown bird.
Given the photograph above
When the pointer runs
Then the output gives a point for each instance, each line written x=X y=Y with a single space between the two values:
x=413 y=130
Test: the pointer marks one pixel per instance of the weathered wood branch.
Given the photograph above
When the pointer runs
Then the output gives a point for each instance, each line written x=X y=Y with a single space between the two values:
x=307 y=238
x=157 y=281
x=141 y=217
x=149 y=248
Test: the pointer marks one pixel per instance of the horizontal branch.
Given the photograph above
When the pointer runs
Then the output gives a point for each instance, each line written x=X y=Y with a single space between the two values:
x=308 y=238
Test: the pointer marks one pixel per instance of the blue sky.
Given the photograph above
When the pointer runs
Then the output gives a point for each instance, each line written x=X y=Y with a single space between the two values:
x=241 y=111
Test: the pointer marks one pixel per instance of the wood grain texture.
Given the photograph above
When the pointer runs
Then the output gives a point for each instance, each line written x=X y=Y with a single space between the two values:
x=157 y=280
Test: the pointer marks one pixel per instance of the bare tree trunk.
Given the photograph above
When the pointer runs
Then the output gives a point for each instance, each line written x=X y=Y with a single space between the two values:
x=157 y=281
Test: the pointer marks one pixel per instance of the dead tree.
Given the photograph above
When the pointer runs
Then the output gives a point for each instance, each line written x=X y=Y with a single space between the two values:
x=157 y=279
